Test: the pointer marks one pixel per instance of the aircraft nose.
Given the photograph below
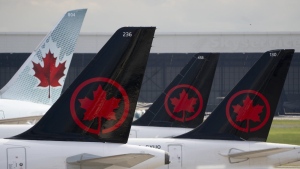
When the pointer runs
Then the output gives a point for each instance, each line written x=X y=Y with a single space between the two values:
x=167 y=158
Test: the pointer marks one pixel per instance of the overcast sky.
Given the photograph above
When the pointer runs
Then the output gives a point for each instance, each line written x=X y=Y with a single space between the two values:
x=167 y=15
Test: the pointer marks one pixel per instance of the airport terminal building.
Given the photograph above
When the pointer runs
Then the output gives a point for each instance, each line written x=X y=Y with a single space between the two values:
x=169 y=54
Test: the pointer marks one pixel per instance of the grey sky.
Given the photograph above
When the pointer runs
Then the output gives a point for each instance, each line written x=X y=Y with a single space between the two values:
x=167 y=15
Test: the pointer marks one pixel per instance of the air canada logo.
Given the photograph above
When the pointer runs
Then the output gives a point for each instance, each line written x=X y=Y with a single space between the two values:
x=49 y=74
x=99 y=111
x=183 y=102
x=248 y=110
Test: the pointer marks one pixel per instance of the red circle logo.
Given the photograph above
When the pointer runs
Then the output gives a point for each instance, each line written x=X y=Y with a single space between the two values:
x=183 y=103
x=248 y=110
x=99 y=107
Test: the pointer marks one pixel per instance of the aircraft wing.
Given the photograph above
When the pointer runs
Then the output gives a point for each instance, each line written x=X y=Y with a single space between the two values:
x=254 y=154
x=21 y=120
x=123 y=160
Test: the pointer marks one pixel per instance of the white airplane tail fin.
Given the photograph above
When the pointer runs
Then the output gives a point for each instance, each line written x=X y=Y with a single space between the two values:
x=41 y=78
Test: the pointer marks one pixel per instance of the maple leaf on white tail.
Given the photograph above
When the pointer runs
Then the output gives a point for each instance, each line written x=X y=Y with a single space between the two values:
x=39 y=81
x=49 y=74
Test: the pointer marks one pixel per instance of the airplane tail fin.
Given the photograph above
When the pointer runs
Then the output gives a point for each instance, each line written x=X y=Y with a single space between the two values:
x=184 y=101
x=99 y=105
x=41 y=78
x=247 y=112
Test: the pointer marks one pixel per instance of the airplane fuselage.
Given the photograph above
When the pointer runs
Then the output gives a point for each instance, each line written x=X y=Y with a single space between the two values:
x=188 y=153
x=135 y=132
x=17 y=109
x=203 y=154
x=29 y=154
x=155 y=132
x=193 y=153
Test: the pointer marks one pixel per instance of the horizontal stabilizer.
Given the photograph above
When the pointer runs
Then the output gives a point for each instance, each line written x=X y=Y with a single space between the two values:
x=294 y=164
x=22 y=120
x=254 y=154
x=124 y=160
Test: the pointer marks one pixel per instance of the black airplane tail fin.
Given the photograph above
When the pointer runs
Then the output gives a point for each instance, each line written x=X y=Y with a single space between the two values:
x=184 y=101
x=99 y=105
x=247 y=112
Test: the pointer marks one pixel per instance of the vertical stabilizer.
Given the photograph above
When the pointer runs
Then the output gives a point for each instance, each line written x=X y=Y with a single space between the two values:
x=184 y=101
x=247 y=112
x=99 y=105
x=41 y=78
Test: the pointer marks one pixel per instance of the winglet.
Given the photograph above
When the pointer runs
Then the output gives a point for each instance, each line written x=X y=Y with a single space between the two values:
x=255 y=153
x=123 y=160
x=41 y=78
x=99 y=105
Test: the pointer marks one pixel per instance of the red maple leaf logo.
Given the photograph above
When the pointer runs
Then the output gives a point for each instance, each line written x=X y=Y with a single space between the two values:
x=100 y=107
x=248 y=111
x=183 y=104
x=49 y=75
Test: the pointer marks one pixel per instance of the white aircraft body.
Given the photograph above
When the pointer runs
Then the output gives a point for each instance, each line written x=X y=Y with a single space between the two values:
x=135 y=132
x=222 y=154
x=29 y=154
x=9 y=130
x=22 y=113
x=39 y=81
x=193 y=153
